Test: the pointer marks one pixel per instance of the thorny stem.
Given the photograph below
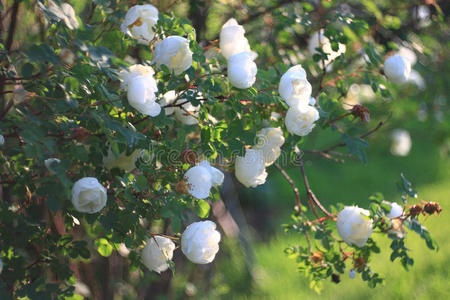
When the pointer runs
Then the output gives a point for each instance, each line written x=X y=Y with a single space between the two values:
x=294 y=187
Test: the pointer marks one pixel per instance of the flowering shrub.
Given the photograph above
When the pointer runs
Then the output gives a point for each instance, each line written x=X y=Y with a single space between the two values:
x=119 y=126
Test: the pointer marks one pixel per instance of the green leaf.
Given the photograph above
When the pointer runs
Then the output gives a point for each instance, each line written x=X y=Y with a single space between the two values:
x=27 y=70
x=202 y=208
x=104 y=247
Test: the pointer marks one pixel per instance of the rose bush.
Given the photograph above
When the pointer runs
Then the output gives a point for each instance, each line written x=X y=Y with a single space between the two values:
x=92 y=89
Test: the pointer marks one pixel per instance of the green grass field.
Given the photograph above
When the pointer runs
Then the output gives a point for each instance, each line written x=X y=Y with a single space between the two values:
x=276 y=275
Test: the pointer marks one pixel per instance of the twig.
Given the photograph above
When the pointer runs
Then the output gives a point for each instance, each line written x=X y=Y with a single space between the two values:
x=311 y=197
x=372 y=131
x=291 y=182
x=326 y=155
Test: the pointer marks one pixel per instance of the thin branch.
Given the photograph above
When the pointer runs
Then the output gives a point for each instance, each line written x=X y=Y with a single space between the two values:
x=291 y=182
x=370 y=132
x=311 y=197
x=326 y=155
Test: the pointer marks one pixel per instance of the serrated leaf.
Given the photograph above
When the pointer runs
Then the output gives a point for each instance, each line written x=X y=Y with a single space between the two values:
x=104 y=247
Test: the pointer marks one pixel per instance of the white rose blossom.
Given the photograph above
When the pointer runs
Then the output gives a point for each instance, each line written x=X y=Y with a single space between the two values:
x=269 y=142
x=157 y=252
x=232 y=39
x=201 y=178
x=300 y=119
x=250 y=170
x=417 y=79
x=50 y=164
x=294 y=88
x=397 y=68
x=401 y=142
x=319 y=40
x=141 y=89
x=139 y=22
x=200 y=242
x=242 y=70
x=65 y=13
x=173 y=52
x=396 y=210
x=353 y=227
x=407 y=54
x=186 y=113
x=123 y=161
x=167 y=99
x=88 y=195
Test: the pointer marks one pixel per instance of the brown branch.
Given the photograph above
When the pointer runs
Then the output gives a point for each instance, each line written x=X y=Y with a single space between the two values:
x=294 y=187
x=326 y=155
x=311 y=197
x=370 y=132
x=12 y=25
x=7 y=108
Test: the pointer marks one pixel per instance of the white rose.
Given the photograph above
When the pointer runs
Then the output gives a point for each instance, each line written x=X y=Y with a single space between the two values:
x=187 y=113
x=274 y=116
x=294 y=88
x=2 y=140
x=422 y=13
x=139 y=22
x=353 y=227
x=199 y=179
x=200 y=242
x=250 y=170
x=417 y=79
x=408 y=54
x=123 y=162
x=71 y=19
x=157 y=252
x=242 y=70
x=401 y=142
x=216 y=175
x=232 y=39
x=173 y=52
x=168 y=98
x=300 y=119
x=396 y=210
x=65 y=13
x=319 y=40
x=88 y=195
x=50 y=164
x=141 y=89
x=269 y=142
x=397 y=68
